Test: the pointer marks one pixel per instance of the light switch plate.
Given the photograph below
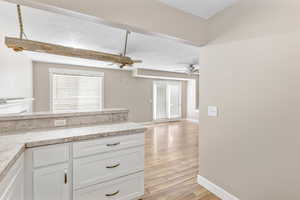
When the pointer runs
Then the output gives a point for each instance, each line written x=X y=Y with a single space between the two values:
x=212 y=111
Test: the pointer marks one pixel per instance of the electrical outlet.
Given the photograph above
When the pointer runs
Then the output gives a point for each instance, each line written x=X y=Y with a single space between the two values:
x=60 y=122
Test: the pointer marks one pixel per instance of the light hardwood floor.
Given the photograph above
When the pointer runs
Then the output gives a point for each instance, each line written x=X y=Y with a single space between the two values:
x=171 y=163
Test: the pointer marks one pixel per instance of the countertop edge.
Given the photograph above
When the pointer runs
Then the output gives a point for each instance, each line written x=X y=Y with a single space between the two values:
x=84 y=137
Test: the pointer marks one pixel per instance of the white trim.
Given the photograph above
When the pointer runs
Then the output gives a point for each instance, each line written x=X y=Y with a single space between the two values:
x=186 y=76
x=216 y=190
x=146 y=123
x=192 y=120
x=167 y=120
x=161 y=78
x=75 y=72
x=160 y=121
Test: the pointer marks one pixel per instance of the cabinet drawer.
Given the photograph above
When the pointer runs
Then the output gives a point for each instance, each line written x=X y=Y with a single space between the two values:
x=125 y=188
x=103 y=167
x=103 y=145
x=48 y=155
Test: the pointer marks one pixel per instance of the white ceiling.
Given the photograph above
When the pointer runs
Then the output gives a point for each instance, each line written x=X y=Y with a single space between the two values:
x=201 y=8
x=156 y=53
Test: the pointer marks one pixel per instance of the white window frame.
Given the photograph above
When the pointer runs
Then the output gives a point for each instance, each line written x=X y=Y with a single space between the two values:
x=53 y=71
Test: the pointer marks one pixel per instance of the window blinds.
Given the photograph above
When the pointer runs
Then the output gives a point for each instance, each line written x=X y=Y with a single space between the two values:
x=73 y=92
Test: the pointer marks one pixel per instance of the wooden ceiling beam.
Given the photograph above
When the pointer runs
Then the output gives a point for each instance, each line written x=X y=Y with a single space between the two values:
x=41 y=47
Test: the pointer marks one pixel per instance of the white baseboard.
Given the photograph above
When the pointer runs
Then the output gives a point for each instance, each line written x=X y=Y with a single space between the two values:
x=160 y=121
x=192 y=120
x=216 y=190
x=146 y=123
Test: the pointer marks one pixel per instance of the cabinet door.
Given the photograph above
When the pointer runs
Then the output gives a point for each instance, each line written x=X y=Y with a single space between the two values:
x=15 y=189
x=51 y=183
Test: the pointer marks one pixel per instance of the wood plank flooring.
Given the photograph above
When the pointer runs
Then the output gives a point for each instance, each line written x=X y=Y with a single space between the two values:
x=171 y=163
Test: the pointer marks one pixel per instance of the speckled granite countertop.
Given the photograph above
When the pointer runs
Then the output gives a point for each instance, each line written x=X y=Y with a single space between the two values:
x=13 y=145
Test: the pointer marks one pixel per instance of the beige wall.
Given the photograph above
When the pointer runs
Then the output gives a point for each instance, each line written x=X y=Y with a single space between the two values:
x=121 y=90
x=140 y=15
x=250 y=70
x=15 y=73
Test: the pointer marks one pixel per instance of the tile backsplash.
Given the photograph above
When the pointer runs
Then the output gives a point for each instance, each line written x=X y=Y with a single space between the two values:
x=43 y=122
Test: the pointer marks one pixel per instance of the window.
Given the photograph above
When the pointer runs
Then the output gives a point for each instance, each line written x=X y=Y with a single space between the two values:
x=76 y=90
x=167 y=100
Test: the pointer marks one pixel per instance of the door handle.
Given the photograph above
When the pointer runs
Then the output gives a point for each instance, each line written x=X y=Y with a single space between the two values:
x=113 y=166
x=66 y=178
x=113 y=194
x=114 y=144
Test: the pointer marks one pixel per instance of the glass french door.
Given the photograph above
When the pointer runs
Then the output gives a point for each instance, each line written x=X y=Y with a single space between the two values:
x=166 y=100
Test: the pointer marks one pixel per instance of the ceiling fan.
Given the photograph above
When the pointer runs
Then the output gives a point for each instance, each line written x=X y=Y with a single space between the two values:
x=189 y=69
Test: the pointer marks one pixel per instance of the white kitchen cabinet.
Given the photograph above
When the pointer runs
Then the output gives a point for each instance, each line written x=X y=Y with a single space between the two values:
x=48 y=175
x=109 y=168
x=95 y=169
x=49 y=155
x=51 y=183
x=104 y=145
x=12 y=187
x=16 y=188
x=125 y=188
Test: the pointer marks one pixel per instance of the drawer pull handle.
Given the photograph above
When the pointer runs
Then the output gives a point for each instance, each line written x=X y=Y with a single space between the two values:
x=66 y=178
x=112 y=194
x=114 y=166
x=112 y=145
